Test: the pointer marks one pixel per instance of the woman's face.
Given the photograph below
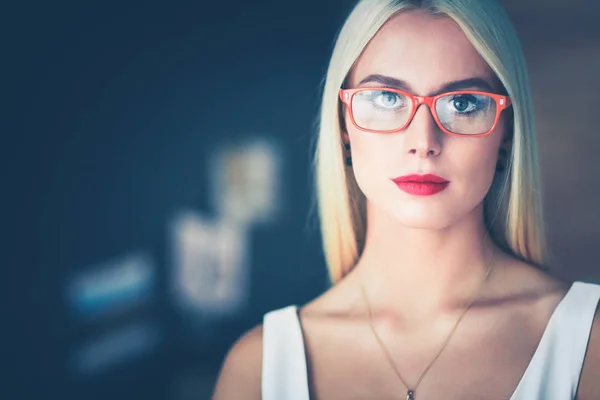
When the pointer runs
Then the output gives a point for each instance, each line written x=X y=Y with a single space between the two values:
x=425 y=55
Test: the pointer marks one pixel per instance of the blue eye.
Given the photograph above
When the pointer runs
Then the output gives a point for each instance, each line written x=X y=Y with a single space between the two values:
x=465 y=103
x=388 y=100
x=381 y=102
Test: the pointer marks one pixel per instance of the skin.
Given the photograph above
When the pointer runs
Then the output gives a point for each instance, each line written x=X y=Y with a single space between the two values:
x=424 y=257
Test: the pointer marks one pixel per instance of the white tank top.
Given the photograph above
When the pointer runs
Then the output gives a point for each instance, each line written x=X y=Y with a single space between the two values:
x=552 y=374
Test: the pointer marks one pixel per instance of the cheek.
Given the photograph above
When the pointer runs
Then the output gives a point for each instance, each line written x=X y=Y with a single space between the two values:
x=473 y=167
x=477 y=158
x=472 y=163
x=372 y=153
x=373 y=157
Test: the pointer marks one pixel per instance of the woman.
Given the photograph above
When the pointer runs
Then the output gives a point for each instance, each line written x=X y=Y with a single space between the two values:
x=431 y=220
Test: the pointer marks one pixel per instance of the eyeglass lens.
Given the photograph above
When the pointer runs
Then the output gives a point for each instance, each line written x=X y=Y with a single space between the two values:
x=464 y=113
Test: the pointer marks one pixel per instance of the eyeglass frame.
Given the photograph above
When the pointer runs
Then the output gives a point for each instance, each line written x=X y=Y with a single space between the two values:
x=502 y=103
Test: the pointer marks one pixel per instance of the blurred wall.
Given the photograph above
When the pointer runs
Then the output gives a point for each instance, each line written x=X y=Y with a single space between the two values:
x=561 y=40
x=114 y=110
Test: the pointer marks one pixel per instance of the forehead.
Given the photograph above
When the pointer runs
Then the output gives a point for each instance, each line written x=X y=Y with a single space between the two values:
x=423 y=50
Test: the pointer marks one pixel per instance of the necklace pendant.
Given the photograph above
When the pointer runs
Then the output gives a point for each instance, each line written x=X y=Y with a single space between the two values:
x=410 y=395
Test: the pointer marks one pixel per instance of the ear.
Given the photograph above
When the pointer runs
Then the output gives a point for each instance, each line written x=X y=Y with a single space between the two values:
x=346 y=140
x=342 y=119
x=505 y=145
x=347 y=152
x=342 y=111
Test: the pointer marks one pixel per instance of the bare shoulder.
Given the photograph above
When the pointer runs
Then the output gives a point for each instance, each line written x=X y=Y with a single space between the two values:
x=552 y=290
x=339 y=299
x=240 y=376
x=589 y=385
x=525 y=280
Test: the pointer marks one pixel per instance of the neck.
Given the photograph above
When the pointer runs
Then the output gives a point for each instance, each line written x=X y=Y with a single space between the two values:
x=424 y=271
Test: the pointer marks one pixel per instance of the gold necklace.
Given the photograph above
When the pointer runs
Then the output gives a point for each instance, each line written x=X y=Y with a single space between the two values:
x=410 y=393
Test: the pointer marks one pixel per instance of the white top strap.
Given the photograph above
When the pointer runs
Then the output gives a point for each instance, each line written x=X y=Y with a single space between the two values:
x=284 y=373
x=553 y=373
x=556 y=365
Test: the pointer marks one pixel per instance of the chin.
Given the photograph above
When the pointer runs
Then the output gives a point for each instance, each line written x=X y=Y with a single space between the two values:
x=422 y=217
x=422 y=222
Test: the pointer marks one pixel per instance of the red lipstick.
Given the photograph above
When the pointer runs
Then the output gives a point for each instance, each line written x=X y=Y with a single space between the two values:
x=421 y=185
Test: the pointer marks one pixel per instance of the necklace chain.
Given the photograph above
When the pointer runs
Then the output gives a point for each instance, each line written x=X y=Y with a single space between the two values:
x=410 y=393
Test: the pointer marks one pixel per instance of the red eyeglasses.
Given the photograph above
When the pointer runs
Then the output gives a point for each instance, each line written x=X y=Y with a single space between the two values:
x=462 y=113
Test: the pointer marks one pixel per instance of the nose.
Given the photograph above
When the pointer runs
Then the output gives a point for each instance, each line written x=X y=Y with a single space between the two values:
x=422 y=136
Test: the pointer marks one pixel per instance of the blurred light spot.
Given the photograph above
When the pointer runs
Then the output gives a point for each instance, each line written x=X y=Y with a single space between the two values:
x=209 y=265
x=120 y=346
x=112 y=286
x=246 y=181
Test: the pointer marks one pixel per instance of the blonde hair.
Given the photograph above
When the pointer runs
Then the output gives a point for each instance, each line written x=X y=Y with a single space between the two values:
x=516 y=200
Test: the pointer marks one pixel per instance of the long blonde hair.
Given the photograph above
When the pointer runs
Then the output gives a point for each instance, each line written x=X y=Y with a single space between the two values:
x=513 y=209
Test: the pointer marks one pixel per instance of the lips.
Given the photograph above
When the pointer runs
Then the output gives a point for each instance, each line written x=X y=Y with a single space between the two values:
x=421 y=185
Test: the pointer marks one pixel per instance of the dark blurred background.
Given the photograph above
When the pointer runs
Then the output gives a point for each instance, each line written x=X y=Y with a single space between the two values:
x=157 y=179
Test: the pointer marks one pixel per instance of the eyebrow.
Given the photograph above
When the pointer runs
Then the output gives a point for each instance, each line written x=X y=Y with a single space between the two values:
x=469 y=83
